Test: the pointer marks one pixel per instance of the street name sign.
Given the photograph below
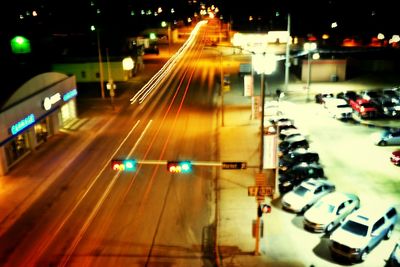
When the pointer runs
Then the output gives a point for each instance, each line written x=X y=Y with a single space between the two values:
x=234 y=165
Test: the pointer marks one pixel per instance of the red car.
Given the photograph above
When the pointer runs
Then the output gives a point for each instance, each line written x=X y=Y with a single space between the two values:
x=364 y=108
x=395 y=157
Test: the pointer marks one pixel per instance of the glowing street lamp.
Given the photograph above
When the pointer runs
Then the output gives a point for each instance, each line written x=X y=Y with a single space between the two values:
x=310 y=48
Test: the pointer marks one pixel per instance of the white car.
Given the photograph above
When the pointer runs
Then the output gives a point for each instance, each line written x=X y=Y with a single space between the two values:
x=362 y=231
x=338 y=108
x=303 y=196
x=271 y=108
x=330 y=211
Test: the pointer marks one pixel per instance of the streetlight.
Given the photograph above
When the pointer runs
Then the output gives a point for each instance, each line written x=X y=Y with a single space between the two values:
x=111 y=85
x=93 y=28
x=262 y=64
x=309 y=48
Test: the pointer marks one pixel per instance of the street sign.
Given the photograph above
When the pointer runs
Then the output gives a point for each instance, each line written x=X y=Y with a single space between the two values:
x=234 y=165
x=259 y=191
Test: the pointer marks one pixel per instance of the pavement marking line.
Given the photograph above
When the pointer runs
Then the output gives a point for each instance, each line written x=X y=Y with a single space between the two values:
x=40 y=250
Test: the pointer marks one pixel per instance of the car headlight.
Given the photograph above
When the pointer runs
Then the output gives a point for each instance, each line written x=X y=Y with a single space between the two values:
x=287 y=183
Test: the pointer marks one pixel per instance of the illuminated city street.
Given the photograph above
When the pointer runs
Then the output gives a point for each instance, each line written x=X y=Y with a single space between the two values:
x=109 y=189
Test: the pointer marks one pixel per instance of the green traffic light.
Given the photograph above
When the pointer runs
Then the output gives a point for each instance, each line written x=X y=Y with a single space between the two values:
x=130 y=165
x=179 y=166
x=186 y=166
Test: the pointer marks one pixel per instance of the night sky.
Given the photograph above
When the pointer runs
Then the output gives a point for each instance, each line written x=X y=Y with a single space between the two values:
x=307 y=16
x=68 y=22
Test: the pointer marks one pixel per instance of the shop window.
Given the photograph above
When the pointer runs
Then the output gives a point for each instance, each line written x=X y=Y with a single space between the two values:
x=17 y=148
x=41 y=131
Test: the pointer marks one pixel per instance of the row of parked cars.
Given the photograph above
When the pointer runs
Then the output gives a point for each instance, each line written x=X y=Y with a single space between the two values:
x=354 y=230
x=368 y=104
x=343 y=106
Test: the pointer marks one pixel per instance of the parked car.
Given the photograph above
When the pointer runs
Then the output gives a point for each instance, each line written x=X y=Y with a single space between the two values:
x=289 y=132
x=364 y=108
x=330 y=211
x=348 y=95
x=298 y=173
x=303 y=196
x=297 y=156
x=362 y=231
x=387 y=137
x=271 y=108
x=395 y=157
x=394 y=258
x=338 y=108
x=293 y=143
x=391 y=93
x=371 y=94
x=321 y=97
x=281 y=120
x=388 y=107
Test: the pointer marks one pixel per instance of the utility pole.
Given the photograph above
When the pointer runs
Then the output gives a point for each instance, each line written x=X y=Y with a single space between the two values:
x=110 y=81
x=287 y=61
x=100 y=65
x=262 y=93
x=222 y=89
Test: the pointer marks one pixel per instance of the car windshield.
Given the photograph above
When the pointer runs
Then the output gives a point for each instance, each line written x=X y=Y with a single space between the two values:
x=301 y=191
x=325 y=207
x=356 y=228
x=389 y=104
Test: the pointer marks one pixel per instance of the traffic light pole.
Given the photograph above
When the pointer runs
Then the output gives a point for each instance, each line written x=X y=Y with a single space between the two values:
x=257 y=231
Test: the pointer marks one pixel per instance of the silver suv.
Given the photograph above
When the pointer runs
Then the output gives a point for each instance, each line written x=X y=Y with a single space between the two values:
x=362 y=231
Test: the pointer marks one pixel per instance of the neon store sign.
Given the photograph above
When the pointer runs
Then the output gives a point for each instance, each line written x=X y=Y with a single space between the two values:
x=50 y=101
x=67 y=96
x=23 y=124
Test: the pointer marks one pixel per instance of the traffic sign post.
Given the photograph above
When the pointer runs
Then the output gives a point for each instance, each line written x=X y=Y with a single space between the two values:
x=259 y=191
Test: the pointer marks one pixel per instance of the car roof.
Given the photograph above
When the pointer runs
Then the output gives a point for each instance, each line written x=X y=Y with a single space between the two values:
x=302 y=150
x=295 y=138
x=368 y=214
x=313 y=183
x=305 y=165
x=335 y=100
x=336 y=197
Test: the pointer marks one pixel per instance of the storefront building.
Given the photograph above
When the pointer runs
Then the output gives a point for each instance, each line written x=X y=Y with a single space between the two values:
x=36 y=111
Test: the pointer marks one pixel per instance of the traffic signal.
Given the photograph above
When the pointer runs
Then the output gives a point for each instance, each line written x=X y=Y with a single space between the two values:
x=123 y=165
x=263 y=208
x=179 y=166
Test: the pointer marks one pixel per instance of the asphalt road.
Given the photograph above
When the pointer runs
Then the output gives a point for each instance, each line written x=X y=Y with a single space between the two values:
x=93 y=215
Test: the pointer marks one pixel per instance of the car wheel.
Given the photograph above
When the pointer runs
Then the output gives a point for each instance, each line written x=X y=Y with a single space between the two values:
x=364 y=255
x=389 y=233
x=382 y=143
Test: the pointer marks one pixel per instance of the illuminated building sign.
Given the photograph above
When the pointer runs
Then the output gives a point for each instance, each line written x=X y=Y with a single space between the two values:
x=22 y=124
x=67 y=96
x=49 y=101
